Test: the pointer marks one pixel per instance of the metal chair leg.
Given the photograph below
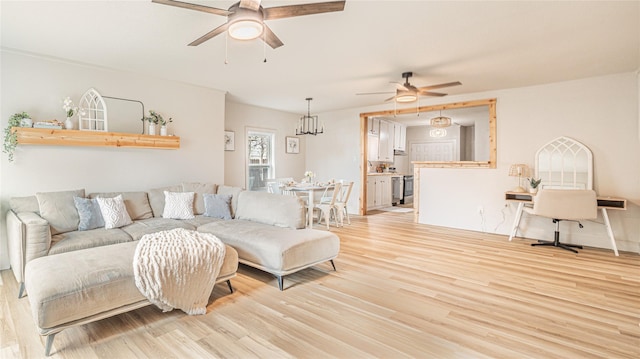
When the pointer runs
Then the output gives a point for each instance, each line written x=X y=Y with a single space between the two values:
x=333 y=265
x=229 y=284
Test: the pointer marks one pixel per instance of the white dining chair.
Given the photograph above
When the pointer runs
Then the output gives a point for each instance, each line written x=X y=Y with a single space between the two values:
x=328 y=208
x=343 y=199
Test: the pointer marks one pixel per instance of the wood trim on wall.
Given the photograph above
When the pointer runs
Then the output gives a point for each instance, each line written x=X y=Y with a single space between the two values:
x=427 y=164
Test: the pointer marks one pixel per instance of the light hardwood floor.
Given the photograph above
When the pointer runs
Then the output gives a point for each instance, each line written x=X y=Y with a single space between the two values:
x=401 y=290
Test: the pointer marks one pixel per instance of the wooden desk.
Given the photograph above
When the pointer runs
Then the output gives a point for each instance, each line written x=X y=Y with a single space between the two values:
x=604 y=203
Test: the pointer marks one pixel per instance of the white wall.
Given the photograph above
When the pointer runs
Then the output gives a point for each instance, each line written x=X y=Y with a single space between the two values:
x=239 y=118
x=600 y=112
x=37 y=85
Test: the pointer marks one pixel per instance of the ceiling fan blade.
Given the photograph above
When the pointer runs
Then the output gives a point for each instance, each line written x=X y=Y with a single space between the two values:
x=250 y=4
x=271 y=39
x=211 y=10
x=390 y=98
x=439 y=86
x=427 y=93
x=401 y=87
x=211 y=34
x=375 y=93
x=279 y=12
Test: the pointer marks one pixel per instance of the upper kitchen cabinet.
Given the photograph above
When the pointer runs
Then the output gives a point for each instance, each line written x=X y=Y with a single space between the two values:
x=385 y=146
x=399 y=137
x=380 y=141
x=373 y=126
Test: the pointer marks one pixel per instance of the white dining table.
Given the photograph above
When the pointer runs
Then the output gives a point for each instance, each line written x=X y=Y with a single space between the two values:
x=310 y=190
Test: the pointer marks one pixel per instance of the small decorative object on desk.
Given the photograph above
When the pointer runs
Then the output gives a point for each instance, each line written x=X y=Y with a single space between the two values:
x=533 y=184
x=67 y=106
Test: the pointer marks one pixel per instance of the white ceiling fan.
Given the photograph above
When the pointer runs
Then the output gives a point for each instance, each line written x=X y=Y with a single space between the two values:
x=245 y=19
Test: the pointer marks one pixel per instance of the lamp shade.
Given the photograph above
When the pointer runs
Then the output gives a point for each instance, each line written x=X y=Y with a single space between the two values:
x=519 y=170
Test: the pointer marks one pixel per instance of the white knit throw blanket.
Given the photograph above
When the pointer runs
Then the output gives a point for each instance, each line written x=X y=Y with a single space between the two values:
x=178 y=269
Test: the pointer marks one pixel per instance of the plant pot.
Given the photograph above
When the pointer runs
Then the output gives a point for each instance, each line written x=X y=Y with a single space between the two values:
x=533 y=190
x=152 y=129
x=163 y=130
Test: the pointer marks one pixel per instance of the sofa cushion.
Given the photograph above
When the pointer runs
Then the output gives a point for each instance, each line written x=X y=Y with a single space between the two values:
x=73 y=241
x=24 y=204
x=276 y=250
x=178 y=205
x=59 y=209
x=199 y=189
x=217 y=205
x=273 y=209
x=234 y=192
x=89 y=213
x=114 y=212
x=156 y=198
x=200 y=220
x=137 y=203
x=139 y=228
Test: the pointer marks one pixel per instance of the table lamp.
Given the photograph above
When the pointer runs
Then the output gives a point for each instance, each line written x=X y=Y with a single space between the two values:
x=520 y=170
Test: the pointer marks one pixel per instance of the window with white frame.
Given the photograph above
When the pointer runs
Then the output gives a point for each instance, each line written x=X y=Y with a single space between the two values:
x=260 y=158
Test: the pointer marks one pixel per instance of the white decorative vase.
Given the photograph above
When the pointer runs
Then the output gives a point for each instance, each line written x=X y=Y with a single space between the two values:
x=152 y=129
x=68 y=124
x=163 y=130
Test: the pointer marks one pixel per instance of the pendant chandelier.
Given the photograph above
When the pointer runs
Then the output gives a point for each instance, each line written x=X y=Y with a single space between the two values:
x=439 y=124
x=309 y=125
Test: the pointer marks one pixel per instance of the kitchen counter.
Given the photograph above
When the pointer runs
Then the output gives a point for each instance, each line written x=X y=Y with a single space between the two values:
x=385 y=174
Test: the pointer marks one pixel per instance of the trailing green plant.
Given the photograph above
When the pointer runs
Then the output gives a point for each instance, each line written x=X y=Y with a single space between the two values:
x=157 y=118
x=10 y=135
x=534 y=183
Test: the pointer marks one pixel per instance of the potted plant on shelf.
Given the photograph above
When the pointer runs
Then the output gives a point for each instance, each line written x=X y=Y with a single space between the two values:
x=533 y=184
x=10 y=135
x=157 y=119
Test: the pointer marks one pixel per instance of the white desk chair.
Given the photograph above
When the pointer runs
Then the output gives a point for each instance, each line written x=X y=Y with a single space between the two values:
x=564 y=205
x=328 y=208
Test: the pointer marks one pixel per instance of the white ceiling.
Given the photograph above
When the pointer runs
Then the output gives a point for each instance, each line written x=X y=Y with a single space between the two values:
x=331 y=57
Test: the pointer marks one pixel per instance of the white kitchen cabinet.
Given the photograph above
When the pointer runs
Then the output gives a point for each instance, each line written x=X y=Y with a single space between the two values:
x=378 y=191
x=385 y=144
x=372 y=148
x=399 y=137
x=373 y=126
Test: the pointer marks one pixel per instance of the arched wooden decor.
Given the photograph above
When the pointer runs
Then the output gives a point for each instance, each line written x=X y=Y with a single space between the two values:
x=565 y=163
x=93 y=112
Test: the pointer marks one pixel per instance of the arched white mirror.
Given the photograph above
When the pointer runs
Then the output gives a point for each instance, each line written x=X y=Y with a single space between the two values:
x=565 y=163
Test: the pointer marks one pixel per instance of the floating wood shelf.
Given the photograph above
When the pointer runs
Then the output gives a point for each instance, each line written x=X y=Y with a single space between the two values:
x=45 y=136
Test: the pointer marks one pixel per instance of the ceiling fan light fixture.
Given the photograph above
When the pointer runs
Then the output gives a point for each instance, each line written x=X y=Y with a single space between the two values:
x=246 y=29
x=406 y=96
x=440 y=121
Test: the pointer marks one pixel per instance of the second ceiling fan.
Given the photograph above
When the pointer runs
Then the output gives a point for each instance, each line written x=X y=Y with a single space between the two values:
x=245 y=19
x=406 y=92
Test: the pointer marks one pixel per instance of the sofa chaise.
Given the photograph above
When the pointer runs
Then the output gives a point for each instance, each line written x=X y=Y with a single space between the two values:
x=266 y=232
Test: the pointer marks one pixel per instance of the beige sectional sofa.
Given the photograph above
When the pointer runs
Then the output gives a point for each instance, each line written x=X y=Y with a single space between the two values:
x=267 y=232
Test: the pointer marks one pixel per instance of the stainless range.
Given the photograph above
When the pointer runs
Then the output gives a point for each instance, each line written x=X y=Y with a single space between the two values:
x=407 y=194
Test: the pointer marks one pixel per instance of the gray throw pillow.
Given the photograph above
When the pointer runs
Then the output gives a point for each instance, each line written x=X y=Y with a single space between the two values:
x=59 y=210
x=89 y=213
x=217 y=205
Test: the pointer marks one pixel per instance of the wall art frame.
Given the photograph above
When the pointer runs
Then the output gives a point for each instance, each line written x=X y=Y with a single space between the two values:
x=292 y=144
